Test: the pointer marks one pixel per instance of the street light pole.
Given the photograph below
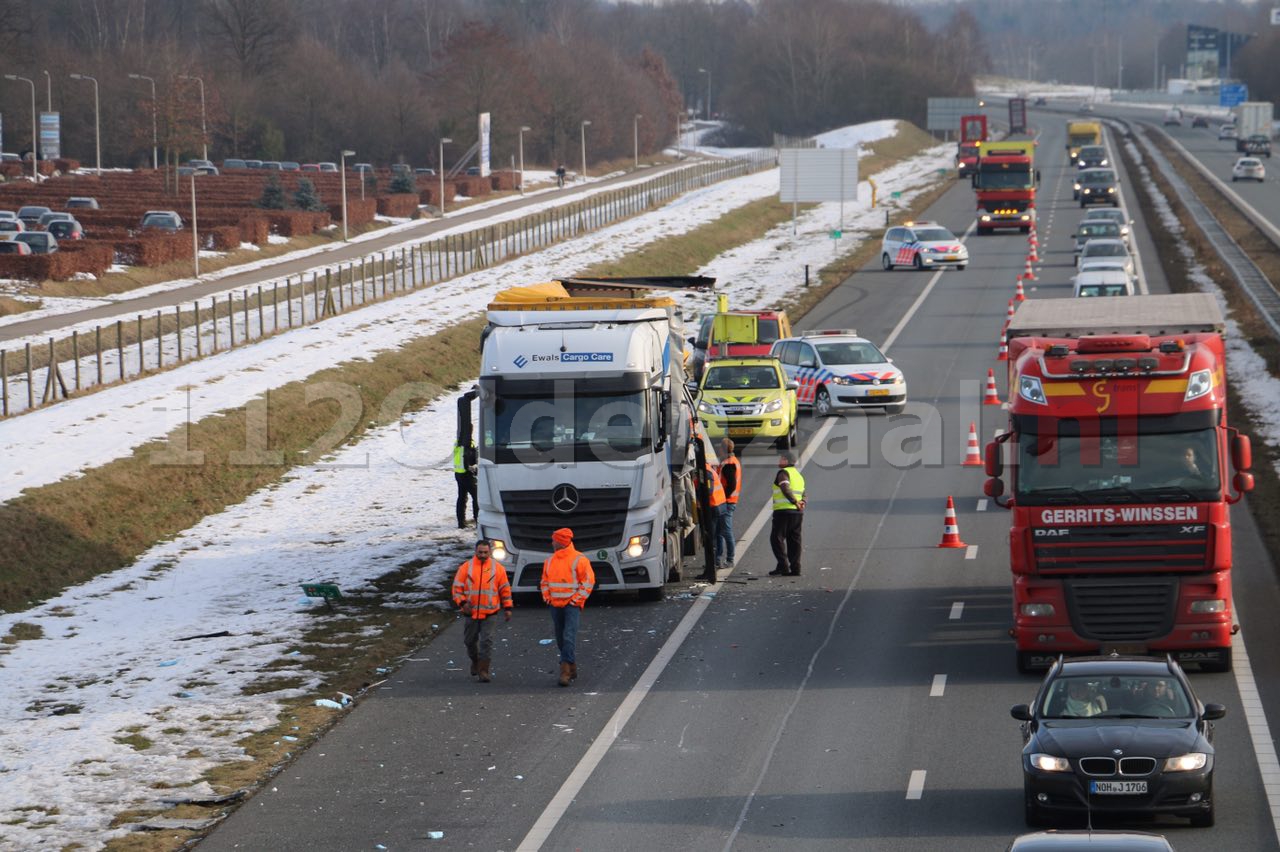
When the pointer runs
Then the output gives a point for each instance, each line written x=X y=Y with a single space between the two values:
x=195 y=226
x=204 y=132
x=635 y=137
x=708 y=73
x=343 y=168
x=583 y=128
x=35 y=129
x=155 y=143
x=97 y=123
x=443 y=141
x=48 y=91
x=523 y=130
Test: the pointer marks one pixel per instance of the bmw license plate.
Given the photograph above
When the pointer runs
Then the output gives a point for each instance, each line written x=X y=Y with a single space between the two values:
x=878 y=392
x=1118 y=788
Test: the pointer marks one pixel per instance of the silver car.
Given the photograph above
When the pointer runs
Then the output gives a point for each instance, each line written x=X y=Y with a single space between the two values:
x=1094 y=229
x=1248 y=168
x=1112 y=214
x=1105 y=254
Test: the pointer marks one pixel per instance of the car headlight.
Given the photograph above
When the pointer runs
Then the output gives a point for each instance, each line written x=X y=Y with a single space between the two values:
x=1186 y=762
x=841 y=380
x=898 y=380
x=1111 y=189
x=1086 y=191
x=1200 y=383
x=499 y=549
x=776 y=405
x=1037 y=610
x=1030 y=389
x=1212 y=605
x=1049 y=763
x=1104 y=162
x=1076 y=185
x=706 y=407
x=1080 y=163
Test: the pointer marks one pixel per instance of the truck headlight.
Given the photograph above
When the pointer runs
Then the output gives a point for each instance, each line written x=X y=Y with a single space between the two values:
x=986 y=217
x=637 y=545
x=1214 y=605
x=776 y=405
x=1049 y=763
x=1186 y=762
x=1030 y=389
x=499 y=551
x=1200 y=383
x=1037 y=610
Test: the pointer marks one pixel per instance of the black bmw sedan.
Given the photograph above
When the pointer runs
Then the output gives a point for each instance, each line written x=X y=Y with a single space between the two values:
x=1117 y=735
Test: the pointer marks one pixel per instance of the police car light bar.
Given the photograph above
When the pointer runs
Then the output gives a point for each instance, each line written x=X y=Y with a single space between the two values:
x=852 y=332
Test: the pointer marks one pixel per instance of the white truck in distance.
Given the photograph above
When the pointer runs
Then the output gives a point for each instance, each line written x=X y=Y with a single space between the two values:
x=1252 y=118
x=585 y=421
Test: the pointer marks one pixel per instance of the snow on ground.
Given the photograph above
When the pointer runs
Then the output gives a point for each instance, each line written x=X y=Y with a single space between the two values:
x=114 y=654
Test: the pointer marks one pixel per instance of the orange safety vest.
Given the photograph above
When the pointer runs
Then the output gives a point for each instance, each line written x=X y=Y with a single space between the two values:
x=715 y=487
x=484 y=585
x=737 y=483
x=567 y=578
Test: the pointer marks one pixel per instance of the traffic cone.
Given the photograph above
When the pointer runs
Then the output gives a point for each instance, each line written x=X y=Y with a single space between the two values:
x=1018 y=295
x=1008 y=315
x=1034 y=256
x=950 y=532
x=972 y=457
x=1028 y=274
x=1003 y=353
x=991 y=397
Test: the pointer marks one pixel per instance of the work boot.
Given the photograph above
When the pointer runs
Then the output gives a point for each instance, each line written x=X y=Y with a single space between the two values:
x=573 y=671
x=475 y=667
x=484 y=671
x=777 y=572
x=565 y=670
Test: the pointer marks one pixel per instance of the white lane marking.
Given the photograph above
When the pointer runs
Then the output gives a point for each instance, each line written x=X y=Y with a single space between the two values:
x=971 y=552
x=555 y=810
x=939 y=686
x=957 y=609
x=982 y=504
x=1259 y=732
x=915 y=787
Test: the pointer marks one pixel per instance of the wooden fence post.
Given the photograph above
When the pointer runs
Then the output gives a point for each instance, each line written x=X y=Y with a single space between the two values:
x=31 y=392
x=213 y=312
x=288 y=299
x=142 y=364
x=177 y=313
x=4 y=382
x=97 y=351
x=195 y=307
x=159 y=342
x=75 y=353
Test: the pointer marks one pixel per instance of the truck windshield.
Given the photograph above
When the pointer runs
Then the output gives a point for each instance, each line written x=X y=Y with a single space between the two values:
x=574 y=424
x=1136 y=468
x=1078 y=139
x=1000 y=177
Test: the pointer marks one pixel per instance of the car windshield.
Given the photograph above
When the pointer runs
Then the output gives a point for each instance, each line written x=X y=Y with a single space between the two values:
x=1069 y=468
x=1097 y=177
x=157 y=219
x=1099 y=229
x=934 y=235
x=1100 y=249
x=1116 y=696
x=736 y=378
x=1103 y=290
x=1249 y=163
x=1092 y=151
x=849 y=352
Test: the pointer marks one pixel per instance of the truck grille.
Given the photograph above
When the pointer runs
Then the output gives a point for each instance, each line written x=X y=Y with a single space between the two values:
x=1117 y=548
x=1122 y=609
x=597 y=521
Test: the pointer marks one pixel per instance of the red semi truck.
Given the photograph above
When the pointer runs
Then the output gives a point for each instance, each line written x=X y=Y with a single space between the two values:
x=973 y=129
x=1005 y=185
x=1120 y=461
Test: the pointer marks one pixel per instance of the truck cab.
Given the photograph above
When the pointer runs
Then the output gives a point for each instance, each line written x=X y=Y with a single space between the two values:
x=735 y=334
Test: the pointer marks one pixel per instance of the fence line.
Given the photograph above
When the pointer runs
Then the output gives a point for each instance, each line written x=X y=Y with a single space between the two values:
x=188 y=335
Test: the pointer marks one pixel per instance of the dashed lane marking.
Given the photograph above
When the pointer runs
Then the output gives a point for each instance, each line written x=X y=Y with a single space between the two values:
x=915 y=787
x=982 y=504
x=971 y=552
x=938 y=687
x=957 y=609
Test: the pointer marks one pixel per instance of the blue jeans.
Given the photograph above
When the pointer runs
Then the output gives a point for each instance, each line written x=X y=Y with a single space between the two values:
x=724 y=533
x=566 y=618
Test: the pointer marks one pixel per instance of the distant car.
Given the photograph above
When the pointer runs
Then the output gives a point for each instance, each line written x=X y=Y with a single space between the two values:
x=1039 y=102
x=424 y=171
x=838 y=369
x=1199 y=121
x=1093 y=229
x=272 y=165
x=362 y=167
x=161 y=220
x=6 y=157
x=1227 y=131
x=228 y=165
x=473 y=171
x=15 y=226
x=922 y=245
x=401 y=169
x=1258 y=143
x=207 y=170
x=14 y=247
x=1112 y=214
x=197 y=163
x=186 y=171
x=54 y=216
x=253 y=164
x=1102 y=282
x=1099 y=186
x=290 y=166
x=1086 y=107
x=64 y=230
x=82 y=202
x=328 y=167
x=40 y=241
x=30 y=215
x=1092 y=157
x=1090 y=840
x=748 y=399
x=311 y=167
x=1107 y=254
x=1117 y=735
x=1173 y=118
x=1248 y=168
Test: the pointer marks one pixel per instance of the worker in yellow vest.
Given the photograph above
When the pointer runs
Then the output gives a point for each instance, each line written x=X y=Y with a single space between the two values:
x=788 y=516
x=730 y=476
x=464 y=474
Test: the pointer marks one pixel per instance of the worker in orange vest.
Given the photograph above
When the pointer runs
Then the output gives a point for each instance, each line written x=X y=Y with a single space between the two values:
x=480 y=589
x=567 y=580
x=718 y=500
x=730 y=476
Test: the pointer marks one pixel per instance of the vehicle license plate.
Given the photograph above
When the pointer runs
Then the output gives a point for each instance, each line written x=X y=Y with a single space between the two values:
x=878 y=392
x=950 y=257
x=741 y=431
x=1118 y=788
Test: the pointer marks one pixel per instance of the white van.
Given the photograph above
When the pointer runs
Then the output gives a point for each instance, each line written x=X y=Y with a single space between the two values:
x=1103 y=282
x=1173 y=117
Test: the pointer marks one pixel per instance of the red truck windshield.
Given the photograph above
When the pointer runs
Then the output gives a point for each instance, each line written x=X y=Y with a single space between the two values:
x=1004 y=176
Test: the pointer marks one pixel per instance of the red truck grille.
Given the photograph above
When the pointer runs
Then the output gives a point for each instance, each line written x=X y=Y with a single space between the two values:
x=1122 y=609
x=1120 y=548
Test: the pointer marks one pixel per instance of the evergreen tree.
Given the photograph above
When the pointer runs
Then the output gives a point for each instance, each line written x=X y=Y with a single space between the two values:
x=272 y=195
x=370 y=183
x=403 y=183
x=306 y=198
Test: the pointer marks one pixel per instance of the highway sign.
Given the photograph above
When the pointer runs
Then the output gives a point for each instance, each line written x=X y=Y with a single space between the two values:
x=1230 y=94
x=818 y=174
x=945 y=113
x=1275 y=17
x=50 y=135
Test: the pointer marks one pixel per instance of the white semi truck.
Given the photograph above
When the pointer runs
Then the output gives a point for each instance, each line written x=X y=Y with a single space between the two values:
x=1253 y=119
x=586 y=422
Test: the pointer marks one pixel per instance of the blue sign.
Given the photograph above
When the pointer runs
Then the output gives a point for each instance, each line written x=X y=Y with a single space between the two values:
x=1230 y=94
x=50 y=135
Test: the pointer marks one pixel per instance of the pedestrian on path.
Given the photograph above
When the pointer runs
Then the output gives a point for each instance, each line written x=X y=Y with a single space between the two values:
x=567 y=580
x=464 y=474
x=788 y=516
x=480 y=589
x=730 y=474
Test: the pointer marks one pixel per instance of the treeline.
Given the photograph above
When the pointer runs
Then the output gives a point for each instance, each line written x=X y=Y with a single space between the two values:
x=304 y=79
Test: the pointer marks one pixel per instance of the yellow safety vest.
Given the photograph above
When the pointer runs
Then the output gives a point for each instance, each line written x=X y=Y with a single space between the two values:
x=458 y=465
x=780 y=501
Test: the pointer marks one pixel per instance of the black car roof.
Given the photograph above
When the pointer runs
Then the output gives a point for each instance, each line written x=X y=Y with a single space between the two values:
x=1115 y=665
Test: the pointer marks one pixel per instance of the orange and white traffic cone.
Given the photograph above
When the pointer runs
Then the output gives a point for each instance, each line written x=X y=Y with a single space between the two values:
x=1008 y=315
x=992 y=397
x=1028 y=274
x=1003 y=353
x=1034 y=245
x=950 y=531
x=1018 y=294
x=972 y=456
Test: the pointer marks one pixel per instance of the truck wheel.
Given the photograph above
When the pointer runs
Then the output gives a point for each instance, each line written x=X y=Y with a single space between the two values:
x=822 y=403
x=886 y=263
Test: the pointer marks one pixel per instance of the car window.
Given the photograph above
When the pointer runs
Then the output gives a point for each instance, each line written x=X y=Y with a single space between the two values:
x=928 y=235
x=1125 y=696
x=1097 y=177
x=767 y=331
x=1095 y=249
x=805 y=356
x=736 y=377
x=789 y=352
x=1103 y=290
x=849 y=352
x=704 y=333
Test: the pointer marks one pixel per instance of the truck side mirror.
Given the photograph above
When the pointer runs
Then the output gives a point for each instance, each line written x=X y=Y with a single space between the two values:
x=1241 y=453
x=1243 y=482
x=993 y=487
x=994 y=466
x=1037 y=177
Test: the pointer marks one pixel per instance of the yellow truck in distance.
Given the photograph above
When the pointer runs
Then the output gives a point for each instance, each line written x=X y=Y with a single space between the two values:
x=1079 y=134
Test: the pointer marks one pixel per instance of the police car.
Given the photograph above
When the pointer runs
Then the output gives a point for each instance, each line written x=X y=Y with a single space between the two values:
x=922 y=245
x=837 y=369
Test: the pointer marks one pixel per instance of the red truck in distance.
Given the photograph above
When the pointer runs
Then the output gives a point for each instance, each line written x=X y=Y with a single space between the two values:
x=973 y=129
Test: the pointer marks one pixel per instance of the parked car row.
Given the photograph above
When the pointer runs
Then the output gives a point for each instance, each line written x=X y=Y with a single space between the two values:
x=232 y=164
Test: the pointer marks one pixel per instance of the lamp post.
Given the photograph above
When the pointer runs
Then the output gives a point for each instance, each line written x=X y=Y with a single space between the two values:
x=195 y=226
x=583 y=128
x=48 y=91
x=155 y=146
x=204 y=133
x=708 y=73
x=35 y=128
x=343 y=168
x=635 y=137
x=443 y=141
x=97 y=123
x=523 y=130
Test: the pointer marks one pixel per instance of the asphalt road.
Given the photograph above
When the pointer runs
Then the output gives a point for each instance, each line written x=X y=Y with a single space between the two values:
x=863 y=705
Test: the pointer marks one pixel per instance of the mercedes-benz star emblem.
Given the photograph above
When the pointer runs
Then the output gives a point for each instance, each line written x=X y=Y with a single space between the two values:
x=564 y=499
